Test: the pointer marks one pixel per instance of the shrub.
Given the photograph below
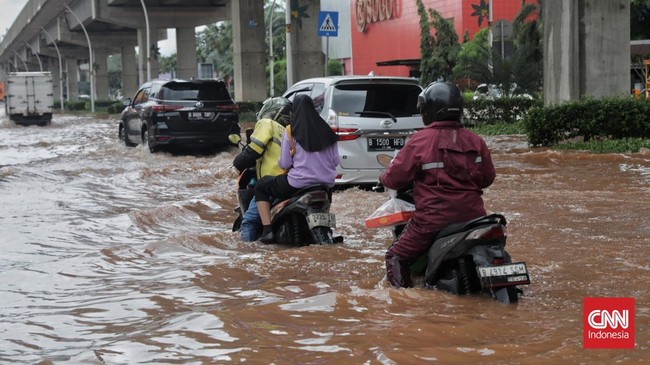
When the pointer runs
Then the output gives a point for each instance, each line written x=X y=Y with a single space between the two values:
x=75 y=105
x=249 y=106
x=610 y=118
x=493 y=111
x=115 y=108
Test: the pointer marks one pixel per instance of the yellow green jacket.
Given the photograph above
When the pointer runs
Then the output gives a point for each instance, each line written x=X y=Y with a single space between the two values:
x=265 y=140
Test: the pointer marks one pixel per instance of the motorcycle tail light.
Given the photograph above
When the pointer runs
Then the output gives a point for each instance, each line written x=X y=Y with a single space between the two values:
x=488 y=233
x=498 y=261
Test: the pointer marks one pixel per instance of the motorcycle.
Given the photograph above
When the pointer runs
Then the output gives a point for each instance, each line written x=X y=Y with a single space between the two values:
x=469 y=257
x=300 y=220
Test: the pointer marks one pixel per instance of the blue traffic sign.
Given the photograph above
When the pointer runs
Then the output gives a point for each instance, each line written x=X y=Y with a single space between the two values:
x=328 y=23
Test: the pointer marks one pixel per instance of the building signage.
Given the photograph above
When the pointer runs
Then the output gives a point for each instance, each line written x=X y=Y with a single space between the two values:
x=373 y=11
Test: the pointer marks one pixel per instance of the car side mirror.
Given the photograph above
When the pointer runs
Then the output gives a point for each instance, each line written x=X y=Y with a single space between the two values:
x=126 y=101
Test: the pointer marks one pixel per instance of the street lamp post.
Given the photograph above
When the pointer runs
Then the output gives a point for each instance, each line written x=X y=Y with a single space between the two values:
x=60 y=67
x=271 y=46
x=91 y=68
x=23 y=61
x=146 y=23
x=40 y=65
x=287 y=28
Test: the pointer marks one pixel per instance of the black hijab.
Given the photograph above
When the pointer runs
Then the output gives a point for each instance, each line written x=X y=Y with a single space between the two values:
x=308 y=128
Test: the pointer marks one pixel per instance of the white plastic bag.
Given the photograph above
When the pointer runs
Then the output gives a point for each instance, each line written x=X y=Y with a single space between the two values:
x=393 y=212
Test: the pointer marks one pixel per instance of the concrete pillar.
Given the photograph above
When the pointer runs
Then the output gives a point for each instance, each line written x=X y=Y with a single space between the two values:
x=185 y=53
x=129 y=72
x=249 y=55
x=72 y=78
x=308 y=56
x=100 y=58
x=142 y=52
x=605 y=50
x=53 y=67
x=586 y=49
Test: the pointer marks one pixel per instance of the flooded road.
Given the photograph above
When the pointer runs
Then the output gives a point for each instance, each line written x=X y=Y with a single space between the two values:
x=113 y=255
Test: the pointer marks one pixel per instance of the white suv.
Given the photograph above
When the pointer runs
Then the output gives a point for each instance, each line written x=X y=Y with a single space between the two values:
x=370 y=114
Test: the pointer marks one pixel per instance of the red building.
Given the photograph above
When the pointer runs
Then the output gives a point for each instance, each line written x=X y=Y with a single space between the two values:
x=386 y=33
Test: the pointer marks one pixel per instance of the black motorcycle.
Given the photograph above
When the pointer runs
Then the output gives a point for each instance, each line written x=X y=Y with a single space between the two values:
x=470 y=258
x=303 y=219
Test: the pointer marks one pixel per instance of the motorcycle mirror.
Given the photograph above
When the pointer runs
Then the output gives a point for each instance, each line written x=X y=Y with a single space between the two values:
x=234 y=138
x=384 y=159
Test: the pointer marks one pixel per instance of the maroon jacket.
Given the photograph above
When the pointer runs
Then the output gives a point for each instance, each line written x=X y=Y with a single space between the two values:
x=448 y=166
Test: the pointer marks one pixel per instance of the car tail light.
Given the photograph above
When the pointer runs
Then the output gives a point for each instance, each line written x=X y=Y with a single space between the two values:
x=343 y=134
x=347 y=134
x=488 y=233
x=332 y=119
x=229 y=108
x=165 y=108
x=498 y=261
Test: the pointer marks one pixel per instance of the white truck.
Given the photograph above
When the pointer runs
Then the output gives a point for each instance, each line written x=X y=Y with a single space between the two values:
x=30 y=97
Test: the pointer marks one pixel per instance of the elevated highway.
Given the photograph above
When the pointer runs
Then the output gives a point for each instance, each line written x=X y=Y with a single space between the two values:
x=48 y=30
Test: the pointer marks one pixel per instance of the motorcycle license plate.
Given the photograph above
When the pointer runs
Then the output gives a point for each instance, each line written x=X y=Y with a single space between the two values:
x=503 y=275
x=321 y=220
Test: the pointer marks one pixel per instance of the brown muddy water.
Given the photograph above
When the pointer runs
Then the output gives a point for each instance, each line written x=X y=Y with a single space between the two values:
x=113 y=255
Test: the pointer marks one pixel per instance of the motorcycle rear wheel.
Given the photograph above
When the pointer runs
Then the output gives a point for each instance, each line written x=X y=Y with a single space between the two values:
x=508 y=294
x=323 y=235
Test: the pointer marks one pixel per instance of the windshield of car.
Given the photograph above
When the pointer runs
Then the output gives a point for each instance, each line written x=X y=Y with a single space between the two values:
x=372 y=99
x=194 y=91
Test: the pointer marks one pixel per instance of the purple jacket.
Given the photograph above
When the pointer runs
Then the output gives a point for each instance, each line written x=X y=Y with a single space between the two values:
x=309 y=168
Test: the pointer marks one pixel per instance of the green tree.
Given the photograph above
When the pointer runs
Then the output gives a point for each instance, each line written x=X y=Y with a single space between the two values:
x=471 y=52
x=527 y=41
x=214 y=45
x=524 y=68
x=334 y=67
x=639 y=19
x=167 y=63
x=439 y=52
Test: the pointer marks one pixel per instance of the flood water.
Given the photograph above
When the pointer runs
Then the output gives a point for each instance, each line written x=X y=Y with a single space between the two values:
x=113 y=255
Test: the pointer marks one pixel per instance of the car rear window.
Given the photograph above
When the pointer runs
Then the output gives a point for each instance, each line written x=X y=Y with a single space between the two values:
x=398 y=99
x=194 y=91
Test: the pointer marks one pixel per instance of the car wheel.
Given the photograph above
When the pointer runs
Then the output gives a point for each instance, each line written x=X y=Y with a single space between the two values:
x=145 y=141
x=123 y=137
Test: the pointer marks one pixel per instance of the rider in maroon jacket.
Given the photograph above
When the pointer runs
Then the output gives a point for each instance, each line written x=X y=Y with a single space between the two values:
x=447 y=166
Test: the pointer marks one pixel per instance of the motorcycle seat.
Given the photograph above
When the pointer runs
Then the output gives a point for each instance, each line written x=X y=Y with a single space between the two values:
x=480 y=221
x=307 y=189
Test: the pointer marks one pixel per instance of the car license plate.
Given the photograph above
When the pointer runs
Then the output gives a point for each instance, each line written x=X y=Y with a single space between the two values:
x=200 y=115
x=385 y=143
x=321 y=220
x=503 y=275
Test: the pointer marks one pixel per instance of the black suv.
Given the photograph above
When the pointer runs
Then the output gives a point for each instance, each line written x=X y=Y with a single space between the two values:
x=192 y=113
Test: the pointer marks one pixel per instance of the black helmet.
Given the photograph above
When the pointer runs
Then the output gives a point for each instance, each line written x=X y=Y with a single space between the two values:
x=278 y=109
x=440 y=101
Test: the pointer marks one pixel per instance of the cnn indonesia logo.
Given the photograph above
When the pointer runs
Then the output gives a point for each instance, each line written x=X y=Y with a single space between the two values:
x=608 y=323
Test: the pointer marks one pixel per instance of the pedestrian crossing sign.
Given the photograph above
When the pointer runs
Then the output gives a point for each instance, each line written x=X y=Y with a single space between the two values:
x=328 y=23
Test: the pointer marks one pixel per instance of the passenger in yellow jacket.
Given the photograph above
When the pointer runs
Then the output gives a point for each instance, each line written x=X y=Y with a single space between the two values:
x=263 y=152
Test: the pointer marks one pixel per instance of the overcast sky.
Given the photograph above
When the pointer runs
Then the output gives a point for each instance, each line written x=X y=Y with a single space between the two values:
x=9 y=10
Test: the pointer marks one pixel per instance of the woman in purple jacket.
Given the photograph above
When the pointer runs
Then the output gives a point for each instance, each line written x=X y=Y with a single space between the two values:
x=310 y=157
